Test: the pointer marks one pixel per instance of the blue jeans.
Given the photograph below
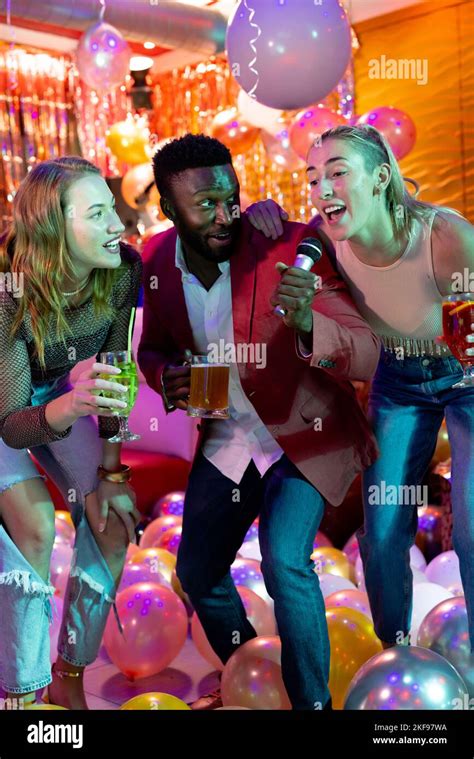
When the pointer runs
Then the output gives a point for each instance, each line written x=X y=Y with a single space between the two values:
x=408 y=401
x=214 y=526
x=25 y=599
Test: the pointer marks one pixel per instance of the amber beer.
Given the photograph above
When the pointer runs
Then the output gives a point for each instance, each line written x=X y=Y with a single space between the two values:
x=209 y=392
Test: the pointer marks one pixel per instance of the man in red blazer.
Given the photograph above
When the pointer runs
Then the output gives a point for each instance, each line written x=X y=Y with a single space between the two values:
x=296 y=436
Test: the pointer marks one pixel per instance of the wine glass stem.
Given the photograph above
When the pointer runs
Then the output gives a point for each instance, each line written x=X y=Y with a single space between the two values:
x=123 y=421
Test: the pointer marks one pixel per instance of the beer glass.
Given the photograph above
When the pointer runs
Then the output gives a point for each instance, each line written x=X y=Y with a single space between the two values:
x=209 y=391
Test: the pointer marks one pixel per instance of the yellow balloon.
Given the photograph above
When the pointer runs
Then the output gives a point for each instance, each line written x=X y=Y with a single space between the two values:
x=164 y=561
x=155 y=702
x=128 y=141
x=353 y=641
x=328 y=560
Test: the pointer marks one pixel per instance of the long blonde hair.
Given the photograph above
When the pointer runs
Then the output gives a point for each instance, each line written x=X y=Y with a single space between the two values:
x=35 y=246
x=402 y=206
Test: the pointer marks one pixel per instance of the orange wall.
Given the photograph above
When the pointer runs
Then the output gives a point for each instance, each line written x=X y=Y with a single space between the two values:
x=442 y=160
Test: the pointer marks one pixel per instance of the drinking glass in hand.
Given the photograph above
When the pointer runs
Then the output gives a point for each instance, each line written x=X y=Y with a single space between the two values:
x=458 y=325
x=209 y=391
x=129 y=378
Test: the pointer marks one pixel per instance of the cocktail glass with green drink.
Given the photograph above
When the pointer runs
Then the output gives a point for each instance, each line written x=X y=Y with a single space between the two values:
x=129 y=378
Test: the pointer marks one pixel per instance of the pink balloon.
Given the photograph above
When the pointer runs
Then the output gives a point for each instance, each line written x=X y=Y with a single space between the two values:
x=102 y=57
x=171 y=503
x=351 y=549
x=350 y=599
x=136 y=573
x=395 y=125
x=290 y=54
x=258 y=613
x=280 y=152
x=170 y=540
x=155 y=626
x=155 y=529
x=308 y=125
x=252 y=676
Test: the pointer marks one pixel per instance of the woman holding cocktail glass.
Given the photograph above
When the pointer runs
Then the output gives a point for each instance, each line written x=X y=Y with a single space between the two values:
x=401 y=259
x=76 y=290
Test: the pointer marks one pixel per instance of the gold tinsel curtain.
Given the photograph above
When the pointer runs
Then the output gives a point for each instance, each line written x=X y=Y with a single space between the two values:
x=46 y=111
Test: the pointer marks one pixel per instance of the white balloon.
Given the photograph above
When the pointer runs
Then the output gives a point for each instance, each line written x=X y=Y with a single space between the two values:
x=251 y=550
x=257 y=114
x=417 y=559
x=444 y=570
x=426 y=595
x=332 y=583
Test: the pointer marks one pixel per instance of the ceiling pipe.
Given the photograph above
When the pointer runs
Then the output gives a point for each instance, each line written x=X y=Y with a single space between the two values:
x=170 y=24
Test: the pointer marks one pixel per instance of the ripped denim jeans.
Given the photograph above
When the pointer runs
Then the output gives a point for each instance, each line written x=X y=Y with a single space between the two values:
x=26 y=601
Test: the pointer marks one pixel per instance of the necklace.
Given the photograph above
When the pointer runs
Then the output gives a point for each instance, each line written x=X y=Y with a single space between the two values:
x=75 y=292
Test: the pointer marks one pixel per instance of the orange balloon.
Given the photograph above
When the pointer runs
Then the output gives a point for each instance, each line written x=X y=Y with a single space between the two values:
x=309 y=124
x=155 y=529
x=328 y=560
x=64 y=515
x=164 y=561
x=128 y=141
x=259 y=614
x=353 y=641
x=252 y=676
x=229 y=127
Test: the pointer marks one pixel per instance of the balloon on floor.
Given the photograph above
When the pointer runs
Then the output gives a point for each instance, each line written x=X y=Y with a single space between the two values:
x=259 y=614
x=252 y=676
x=445 y=631
x=157 y=527
x=405 y=678
x=426 y=595
x=248 y=572
x=157 y=560
x=333 y=583
x=350 y=599
x=444 y=570
x=353 y=641
x=328 y=560
x=154 y=702
x=171 y=503
x=155 y=626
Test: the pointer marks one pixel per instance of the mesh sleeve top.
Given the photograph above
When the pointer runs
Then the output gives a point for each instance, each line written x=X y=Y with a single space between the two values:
x=23 y=425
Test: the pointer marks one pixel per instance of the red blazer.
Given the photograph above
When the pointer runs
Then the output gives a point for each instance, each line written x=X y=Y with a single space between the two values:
x=290 y=393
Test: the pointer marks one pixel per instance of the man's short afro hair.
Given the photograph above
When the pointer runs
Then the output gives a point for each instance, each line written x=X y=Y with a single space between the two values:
x=192 y=151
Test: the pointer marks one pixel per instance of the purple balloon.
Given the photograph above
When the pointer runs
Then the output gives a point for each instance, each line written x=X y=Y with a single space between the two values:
x=288 y=54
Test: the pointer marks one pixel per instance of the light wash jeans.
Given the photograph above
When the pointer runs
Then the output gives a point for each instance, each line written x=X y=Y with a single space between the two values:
x=26 y=601
x=406 y=407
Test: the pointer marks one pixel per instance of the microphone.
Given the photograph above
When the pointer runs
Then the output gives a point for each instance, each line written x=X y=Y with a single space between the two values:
x=308 y=253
